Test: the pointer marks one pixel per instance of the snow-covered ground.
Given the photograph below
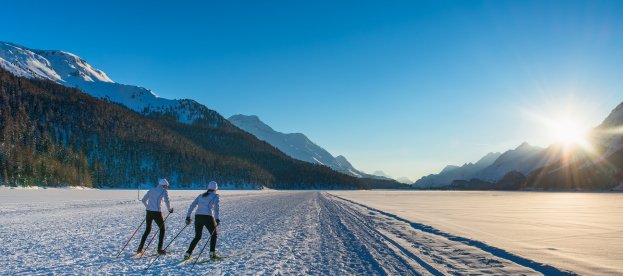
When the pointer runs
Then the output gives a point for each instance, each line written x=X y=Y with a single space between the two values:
x=65 y=231
x=580 y=232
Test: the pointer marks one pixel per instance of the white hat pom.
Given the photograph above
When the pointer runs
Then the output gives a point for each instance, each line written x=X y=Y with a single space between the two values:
x=163 y=182
x=212 y=185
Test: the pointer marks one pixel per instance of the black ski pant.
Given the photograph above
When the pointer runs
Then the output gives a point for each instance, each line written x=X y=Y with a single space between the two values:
x=200 y=222
x=149 y=218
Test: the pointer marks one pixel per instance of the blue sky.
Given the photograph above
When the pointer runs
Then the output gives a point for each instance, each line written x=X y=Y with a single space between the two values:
x=406 y=87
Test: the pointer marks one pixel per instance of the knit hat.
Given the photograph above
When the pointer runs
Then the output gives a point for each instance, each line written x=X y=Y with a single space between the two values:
x=212 y=185
x=163 y=182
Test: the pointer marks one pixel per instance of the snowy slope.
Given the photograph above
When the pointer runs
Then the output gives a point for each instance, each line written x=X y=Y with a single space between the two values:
x=295 y=145
x=265 y=232
x=451 y=173
x=72 y=71
x=405 y=180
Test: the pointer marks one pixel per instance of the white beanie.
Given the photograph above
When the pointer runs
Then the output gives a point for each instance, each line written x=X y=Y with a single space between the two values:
x=163 y=182
x=212 y=185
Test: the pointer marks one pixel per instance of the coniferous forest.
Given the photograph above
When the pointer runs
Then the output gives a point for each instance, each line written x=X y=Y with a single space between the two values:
x=52 y=135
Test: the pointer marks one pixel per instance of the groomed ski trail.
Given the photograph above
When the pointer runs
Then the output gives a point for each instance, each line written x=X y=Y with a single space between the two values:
x=275 y=232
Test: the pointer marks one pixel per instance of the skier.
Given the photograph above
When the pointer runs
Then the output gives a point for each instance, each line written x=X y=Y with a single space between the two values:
x=206 y=215
x=152 y=201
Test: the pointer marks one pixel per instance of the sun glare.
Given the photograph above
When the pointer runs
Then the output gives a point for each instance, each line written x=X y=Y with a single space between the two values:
x=568 y=133
x=564 y=124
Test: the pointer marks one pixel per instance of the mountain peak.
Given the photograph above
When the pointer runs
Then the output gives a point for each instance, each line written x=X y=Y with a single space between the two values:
x=523 y=145
x=250 y=121
x=381 y=174
x=295 y=145
x=72 y=71
x=404 y=180
x=249 y=118
x=59 y=66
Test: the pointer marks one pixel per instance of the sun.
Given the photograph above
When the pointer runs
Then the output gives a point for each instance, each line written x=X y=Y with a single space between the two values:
x=564 y=121
x=569 y=133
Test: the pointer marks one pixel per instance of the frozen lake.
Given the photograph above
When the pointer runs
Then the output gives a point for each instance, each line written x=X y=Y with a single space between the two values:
x=65 y=231
x=581 y=232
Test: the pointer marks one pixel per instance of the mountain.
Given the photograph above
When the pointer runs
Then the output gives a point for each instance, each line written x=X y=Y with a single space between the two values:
x=609 y=134
x=404 y=179
x=295 y=145
x=451 y=173
x=492 y=168
x=298 y=146
x=556 y=167
x=584 y=169
x=513 y=180
x=381 y=174
x=524 y=159
x=72 y=71
x=53 y=134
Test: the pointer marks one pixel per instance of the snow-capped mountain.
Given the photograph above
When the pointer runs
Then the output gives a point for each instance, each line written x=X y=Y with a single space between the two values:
x=70 y=70
x=451 y=172
x=404 y=180
x=296 y=145
x=381 y=174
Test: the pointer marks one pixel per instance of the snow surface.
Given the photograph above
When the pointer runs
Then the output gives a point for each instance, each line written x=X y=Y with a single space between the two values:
x=580 y=232
x=65 y=231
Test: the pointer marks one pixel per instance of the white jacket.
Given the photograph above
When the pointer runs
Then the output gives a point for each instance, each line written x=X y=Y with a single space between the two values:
x=153 y=199
x=207 y=204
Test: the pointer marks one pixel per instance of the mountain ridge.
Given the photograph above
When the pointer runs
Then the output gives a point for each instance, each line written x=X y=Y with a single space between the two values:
x=296 y=145
x=44 y=72
x=555 y=167
x=72 y=71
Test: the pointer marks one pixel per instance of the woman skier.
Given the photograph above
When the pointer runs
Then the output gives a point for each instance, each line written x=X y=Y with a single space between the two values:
x=206 y=216
x=152 y=201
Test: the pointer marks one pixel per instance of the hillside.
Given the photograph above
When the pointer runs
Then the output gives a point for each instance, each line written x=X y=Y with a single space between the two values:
x=295 y=145
x=54 y=135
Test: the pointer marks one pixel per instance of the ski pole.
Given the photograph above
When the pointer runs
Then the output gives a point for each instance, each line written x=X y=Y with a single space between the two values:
x=154 y=236
x=165 y=248
x=128 y=242
x=204 y=246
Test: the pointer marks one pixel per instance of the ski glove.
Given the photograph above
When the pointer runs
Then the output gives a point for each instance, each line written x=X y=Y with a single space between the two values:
x=188 y=220
x=171 y=210
x=218 y=221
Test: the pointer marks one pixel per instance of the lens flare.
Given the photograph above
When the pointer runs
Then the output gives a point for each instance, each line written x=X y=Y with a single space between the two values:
x=568 y=133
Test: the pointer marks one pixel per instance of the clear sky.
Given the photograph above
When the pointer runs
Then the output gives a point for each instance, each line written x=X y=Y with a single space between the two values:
x=406 y=87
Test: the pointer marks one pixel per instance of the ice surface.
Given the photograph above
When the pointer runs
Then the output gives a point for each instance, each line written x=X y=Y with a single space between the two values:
x=581 y=232
x=65 y=231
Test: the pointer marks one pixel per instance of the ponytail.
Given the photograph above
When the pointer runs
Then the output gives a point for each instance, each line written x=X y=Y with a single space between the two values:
x=207 y=193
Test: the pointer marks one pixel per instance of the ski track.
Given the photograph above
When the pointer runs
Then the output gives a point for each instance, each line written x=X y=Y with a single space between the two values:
x=276 y=233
